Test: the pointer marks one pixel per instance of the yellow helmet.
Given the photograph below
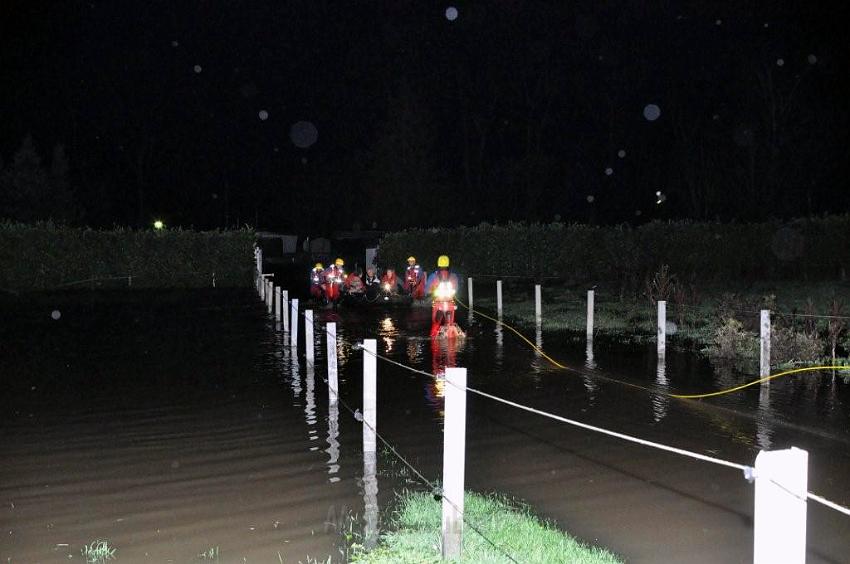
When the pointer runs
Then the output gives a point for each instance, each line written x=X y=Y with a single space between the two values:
x=443 y=261
x=319 y=266
x=339 y=262
x=411 y=259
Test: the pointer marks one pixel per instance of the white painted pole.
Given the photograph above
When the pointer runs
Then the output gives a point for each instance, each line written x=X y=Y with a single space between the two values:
x=499 y=297
x=270 y=295
x=662 y=327
x=469 y=293
x=293 y=329
x=538 y=305
x=284 y=309
x=277 y=303
x=454 y=454
x=764 y=364
x=333 y=384
x=308 y=336
x=590 y=313
x=779 y=518
x=370 y=367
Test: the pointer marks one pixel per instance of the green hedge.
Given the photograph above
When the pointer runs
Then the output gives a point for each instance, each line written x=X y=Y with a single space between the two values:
x=44 y=256
x=806 y=248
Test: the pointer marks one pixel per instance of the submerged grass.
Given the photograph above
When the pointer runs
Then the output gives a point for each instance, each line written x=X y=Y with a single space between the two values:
x=510 y=526
x=697 y=317
x=98 y=552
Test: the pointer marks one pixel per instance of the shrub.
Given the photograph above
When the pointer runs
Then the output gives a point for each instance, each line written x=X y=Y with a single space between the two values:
x=731 y=341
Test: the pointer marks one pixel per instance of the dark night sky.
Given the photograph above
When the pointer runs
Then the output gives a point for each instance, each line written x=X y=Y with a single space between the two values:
x=512 y=111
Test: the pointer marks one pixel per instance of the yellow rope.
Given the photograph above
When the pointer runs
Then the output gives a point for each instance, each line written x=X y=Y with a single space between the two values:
x=677 y=396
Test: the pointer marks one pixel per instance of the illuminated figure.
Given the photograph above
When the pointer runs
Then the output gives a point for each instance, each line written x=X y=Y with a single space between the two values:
x=442 y=286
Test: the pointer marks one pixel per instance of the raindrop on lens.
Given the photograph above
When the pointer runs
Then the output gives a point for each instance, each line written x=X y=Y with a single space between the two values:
x=198 y=69
x=303 y=134
x=451 y=13
x=175 y=44
x=812 y=59
x=590 y=199
x=718 y=22
x=55 y=314
x=264 y=115
x=651 y=112
x=780 y=62
x=621 y=153
x=609 y=171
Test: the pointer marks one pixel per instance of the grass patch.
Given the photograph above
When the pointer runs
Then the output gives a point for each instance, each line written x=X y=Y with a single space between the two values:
x=717 y=320
x=98 y=552
x=416 y=535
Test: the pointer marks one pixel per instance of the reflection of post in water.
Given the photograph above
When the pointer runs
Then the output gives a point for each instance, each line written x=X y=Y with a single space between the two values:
x=443 y=355
x=660 y=402
x=370 y=499
x=500 y=340
x=764 y=433
x=310 y=404
x=295 y=373
x=588 y=351
x=333 y=443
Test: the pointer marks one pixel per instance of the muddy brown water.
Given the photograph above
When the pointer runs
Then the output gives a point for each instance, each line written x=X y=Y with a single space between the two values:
x=172 y=423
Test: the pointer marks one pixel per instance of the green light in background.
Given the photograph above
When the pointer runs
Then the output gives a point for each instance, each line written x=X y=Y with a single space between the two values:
x=158 y=224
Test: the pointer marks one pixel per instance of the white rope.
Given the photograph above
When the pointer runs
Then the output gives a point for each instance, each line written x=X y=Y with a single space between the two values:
x=622 y=436
x=683 y=452
x=830 y=504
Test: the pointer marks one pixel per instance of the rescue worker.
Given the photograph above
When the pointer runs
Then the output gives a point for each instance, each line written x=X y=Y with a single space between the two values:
x=317 y=279
x=414 y=279
x=389 y=282
x=442 y=285
x=372 y=284
x=334 y=280
x=354 y=284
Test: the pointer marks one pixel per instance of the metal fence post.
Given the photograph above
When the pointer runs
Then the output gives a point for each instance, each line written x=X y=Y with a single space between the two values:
x=499 y=298
x=454 y=453
x=590 y=313
x=284 y=309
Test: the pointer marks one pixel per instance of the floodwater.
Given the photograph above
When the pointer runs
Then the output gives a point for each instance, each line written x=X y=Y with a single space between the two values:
x=175 y=423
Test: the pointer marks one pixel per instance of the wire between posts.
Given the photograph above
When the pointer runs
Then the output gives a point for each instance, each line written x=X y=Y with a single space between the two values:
x=683 y=452
x=747 y=470
x=359 y=417
x=826 y=502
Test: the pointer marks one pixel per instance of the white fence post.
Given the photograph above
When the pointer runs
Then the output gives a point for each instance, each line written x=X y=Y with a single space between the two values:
x=590 y=313
x=333 y=385
x=293 y=329
x=779 y=518
x=538 y=305
x=764 y=363
x=277 y=303
x=308 y=336
x=269 y=294
x=370 y=456
x=662 y=327
x=469 y=293
x=284 y=309
x=454 y=453
x=370 y=366
x=499 y=298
